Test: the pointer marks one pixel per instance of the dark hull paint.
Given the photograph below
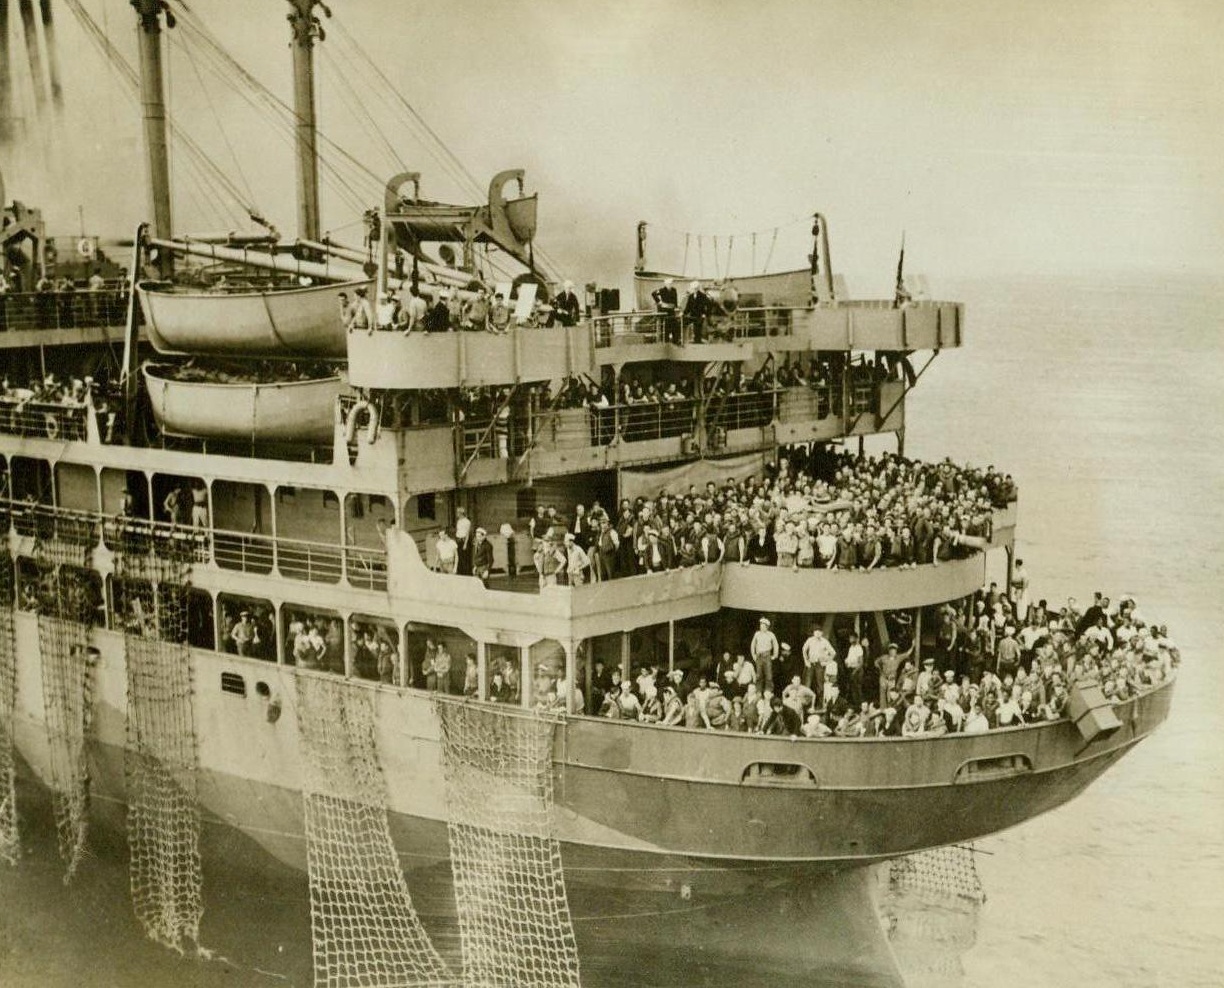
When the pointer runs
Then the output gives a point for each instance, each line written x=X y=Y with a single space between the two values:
x=701 y=840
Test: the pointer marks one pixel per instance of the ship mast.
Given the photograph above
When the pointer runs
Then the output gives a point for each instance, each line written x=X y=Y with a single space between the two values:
x=307 y=29
x=152 y=98
x=6 y=92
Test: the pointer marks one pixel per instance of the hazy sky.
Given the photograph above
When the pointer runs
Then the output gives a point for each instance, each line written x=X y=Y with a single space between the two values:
x=1012 y=138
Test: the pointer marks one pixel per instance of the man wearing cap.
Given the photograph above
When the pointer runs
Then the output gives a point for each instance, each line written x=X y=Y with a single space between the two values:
x=482 y=556
x=696 y=309
x=888 y=665
x=764 y=649
x=576 y=561
x=667 y=302
x=928 y=677
x=243 y=634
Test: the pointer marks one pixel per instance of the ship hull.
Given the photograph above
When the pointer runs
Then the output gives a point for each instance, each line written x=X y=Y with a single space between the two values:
x=688 y=832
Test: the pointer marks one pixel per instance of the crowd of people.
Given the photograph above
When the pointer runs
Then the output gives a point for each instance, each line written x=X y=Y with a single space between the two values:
x=56 y=407
x=811 y=511
x=59 y=302
x=994 y=677
x=476 y=308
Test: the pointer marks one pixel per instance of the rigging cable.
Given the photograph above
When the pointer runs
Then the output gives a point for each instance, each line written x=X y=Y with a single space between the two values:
x=451 y=162
x=127 y=74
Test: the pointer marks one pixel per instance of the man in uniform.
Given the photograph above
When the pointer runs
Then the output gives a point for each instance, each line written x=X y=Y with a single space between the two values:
x=667 y=302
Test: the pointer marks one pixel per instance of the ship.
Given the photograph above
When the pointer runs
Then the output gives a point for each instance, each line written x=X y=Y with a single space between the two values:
x=261 y=462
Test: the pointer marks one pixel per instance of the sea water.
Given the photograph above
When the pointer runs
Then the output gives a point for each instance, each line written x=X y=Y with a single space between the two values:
x=1103 y=398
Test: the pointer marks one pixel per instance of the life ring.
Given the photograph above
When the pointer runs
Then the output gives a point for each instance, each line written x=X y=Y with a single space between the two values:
x=85 y=247
x=352 y=422
x=51 y=423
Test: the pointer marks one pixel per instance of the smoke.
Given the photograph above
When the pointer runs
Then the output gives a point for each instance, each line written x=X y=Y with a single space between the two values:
x=1004 y=138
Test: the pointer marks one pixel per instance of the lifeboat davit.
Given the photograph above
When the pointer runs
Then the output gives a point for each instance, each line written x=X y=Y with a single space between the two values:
x=283 y=411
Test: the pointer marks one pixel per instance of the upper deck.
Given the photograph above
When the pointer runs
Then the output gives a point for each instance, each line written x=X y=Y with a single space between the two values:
x=393 y=360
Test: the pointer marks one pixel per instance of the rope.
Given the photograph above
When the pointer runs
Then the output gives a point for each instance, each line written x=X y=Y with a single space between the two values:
x=246 y=185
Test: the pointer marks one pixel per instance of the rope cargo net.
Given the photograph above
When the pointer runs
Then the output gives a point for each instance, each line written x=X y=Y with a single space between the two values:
x=364 y=930
x=160 y=762
x=514 y=918
x=10 y=843
x=67 y=686
x=930 y=909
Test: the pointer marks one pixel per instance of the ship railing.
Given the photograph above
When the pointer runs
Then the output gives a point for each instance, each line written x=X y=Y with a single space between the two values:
x=623 y=328
x=480 y=440
x=741 y=410
x=301 y=559
x=811 y=402
x=642 y=421
x=863 y=398
x=134 y=536
x=63 y=310
x=119 y=533
x=43 y=419
x=574 y=428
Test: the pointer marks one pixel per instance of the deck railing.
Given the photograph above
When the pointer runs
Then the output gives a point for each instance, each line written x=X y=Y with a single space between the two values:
x=296 y=559
x=300 y=559
x=63 y=310
x=42 y=419
x=652 y=327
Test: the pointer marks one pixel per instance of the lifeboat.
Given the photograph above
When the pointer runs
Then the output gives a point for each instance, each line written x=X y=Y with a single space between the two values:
x=790 y=289
x=291 y=322
x=285 y=411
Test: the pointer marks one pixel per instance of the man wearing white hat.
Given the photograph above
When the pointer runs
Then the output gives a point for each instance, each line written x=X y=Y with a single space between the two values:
x=566 y=305
x=696 y=308
x=667 y=302
x=764 y=649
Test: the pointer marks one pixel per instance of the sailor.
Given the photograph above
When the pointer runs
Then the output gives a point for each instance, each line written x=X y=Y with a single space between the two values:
x=566 y=306
x=667 y=302
x=696 y=310
x=360 y=316
x=243 y=634
x=463 y=536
